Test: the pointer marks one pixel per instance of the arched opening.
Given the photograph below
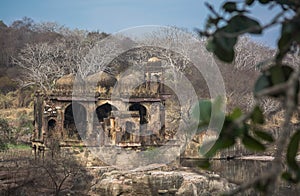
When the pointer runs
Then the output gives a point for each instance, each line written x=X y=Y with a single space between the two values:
x=142 y=112
x=104 y=111
x=51 y=126
x=75 y=112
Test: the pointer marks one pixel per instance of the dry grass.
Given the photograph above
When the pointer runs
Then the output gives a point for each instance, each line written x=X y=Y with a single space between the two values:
x=14 y=114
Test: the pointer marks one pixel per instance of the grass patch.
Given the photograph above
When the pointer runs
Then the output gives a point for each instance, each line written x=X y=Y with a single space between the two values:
x=19 y=146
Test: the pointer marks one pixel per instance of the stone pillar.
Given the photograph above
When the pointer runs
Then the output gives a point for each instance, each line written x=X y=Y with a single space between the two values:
x=38 y=114
x=102 y=134
x=112 y=123
x=89 y=119
x=60 y=122
x=162 y=120
x=44 y=127
x=118 y=135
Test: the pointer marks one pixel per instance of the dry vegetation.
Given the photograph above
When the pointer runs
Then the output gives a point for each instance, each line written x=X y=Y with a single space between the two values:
x=22 y=173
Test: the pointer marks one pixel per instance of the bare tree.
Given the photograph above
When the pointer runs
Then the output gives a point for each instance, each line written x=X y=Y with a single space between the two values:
x=74 y=52
x=100 y=55
x=250 y=54
x=59 y=170
x=42 y=64
x=176 y=46
x=45 y=62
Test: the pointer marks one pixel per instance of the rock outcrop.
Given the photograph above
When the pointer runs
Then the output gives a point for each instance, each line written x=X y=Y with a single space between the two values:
x=156 y=182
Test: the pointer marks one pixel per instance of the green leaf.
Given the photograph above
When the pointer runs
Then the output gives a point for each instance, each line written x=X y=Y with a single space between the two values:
x=252 y=144
x=235 y=114
x=202 y=111
x=249 y=2
x=290 y=33
x=230 y=129
x=280 y=74
x=240 y=23
x=241 y=130
x=222 y=44
x=223 y=47
x=205 y=110
x=264 y=1
x=221 y=143
x=262 y=83
x=230 y=6
x=286 y=2
x=212 y=21
x=264 y=136
x=276 y=74
x=286 y=36
x=257 y=116
x=292 y=151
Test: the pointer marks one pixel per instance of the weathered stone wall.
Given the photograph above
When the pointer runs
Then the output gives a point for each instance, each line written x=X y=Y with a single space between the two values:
x=154 y=118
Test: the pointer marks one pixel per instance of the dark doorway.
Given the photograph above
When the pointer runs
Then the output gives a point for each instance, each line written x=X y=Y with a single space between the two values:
x=51 y=126
x=75 y=112
x=142 y=112
x=104 y=111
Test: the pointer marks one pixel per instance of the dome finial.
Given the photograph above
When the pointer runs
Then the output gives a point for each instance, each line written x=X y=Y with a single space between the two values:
x=153 y=59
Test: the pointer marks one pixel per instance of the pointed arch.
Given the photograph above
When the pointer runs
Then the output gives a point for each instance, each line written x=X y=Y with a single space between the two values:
x=104 y=111
x=75 y=116
x=142 y=112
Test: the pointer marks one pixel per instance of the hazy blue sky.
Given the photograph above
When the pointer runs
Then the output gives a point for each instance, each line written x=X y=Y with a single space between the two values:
x=114 y=15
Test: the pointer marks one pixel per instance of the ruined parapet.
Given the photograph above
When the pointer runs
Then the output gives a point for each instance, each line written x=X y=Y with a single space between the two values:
x=154 y=75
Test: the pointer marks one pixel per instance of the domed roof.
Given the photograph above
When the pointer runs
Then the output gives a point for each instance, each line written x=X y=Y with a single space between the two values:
x=131 y=79
x=65 y=81
x=101 y=79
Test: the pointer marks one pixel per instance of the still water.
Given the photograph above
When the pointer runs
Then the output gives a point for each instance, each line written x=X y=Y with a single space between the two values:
x=239 y=171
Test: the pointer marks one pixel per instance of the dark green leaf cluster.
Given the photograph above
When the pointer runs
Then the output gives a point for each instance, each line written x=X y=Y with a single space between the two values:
x=293 y=175
x=223 y=42
x=206 y=110
x=227 y=30
x=274 y=76
x=290 y=35
x=224 y=29
x=279 y=80
x=236 y=126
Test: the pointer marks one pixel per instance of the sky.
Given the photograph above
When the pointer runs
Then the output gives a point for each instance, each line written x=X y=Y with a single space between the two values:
x=114 y=15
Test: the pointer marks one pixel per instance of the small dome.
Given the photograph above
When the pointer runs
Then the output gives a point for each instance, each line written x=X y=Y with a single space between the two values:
x=131 y=79
x=154 y=59
x=101 y=79
x=66 y=81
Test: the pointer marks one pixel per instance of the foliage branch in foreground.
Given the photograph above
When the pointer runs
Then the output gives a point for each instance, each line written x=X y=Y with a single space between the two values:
x=279 y=80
